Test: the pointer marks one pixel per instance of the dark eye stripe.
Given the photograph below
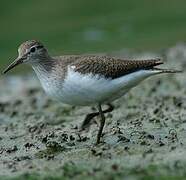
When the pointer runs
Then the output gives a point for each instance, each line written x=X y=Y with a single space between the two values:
x=39 y=47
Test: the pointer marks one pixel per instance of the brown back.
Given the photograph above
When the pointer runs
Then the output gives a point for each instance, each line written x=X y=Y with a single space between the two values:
x=111 y=67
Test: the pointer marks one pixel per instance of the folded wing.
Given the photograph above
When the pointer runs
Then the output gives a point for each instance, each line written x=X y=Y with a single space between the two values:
x=112 y=67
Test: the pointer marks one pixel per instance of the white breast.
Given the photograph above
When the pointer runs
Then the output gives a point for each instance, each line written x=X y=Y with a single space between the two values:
x=87 y=89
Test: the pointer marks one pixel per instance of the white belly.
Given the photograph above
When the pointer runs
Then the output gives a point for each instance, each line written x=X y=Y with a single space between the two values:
x=79 y=89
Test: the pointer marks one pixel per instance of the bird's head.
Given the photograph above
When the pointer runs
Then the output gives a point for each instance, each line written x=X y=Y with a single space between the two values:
x=30 y=52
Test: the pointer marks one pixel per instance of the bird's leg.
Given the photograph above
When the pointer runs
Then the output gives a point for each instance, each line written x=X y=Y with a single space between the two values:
x=102 y=123
x=110 y=108
x=90 y=116
x=88 y=119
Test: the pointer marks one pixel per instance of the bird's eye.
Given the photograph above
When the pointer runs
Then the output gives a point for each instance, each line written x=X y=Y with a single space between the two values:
x=33 y=49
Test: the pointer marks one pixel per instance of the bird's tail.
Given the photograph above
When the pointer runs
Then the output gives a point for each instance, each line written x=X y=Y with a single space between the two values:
x=167 y=70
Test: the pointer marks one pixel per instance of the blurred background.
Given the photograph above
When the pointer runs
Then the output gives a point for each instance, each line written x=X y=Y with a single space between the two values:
x=82 y=26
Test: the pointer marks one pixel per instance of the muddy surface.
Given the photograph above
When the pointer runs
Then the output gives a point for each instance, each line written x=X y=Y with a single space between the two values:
x=144 y=136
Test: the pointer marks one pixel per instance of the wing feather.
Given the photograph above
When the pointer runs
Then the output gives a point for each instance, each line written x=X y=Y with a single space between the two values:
x=111 y=67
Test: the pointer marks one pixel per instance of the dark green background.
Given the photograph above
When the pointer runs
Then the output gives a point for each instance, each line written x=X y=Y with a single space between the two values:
x=91 y=26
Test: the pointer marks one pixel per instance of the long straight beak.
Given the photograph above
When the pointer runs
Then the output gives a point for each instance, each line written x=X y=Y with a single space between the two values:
x=16 y=62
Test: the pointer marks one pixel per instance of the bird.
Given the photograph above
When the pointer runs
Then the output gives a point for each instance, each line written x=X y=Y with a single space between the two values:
x=86 y=80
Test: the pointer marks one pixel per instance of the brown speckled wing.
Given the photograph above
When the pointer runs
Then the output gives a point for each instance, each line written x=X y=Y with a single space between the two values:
x=111 y=67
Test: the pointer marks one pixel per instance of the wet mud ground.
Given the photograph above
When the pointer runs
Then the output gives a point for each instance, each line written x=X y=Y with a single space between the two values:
x=144 y=137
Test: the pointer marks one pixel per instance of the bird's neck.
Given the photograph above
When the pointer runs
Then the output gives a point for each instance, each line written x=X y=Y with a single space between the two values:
x=43 y=65
x=43 y=68
x=44 y=72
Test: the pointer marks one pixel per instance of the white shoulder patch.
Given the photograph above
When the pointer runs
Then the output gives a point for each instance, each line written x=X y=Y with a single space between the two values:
x=72 y=67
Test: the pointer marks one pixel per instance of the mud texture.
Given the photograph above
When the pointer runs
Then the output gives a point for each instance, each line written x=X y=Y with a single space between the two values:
x=144 y=137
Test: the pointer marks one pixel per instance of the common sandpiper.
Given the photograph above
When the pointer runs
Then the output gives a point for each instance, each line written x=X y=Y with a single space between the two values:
x=85 y=80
